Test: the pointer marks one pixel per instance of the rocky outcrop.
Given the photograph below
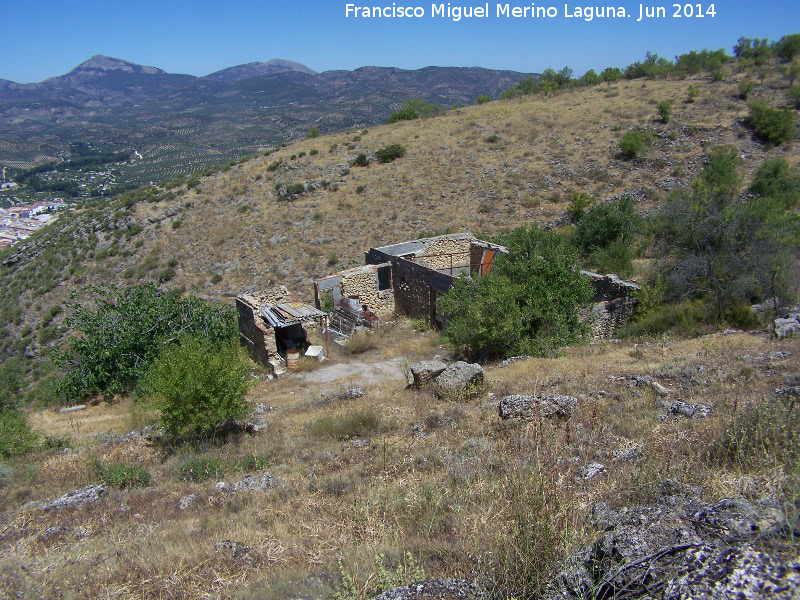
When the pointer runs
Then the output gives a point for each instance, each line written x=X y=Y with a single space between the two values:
x=73 y=499
x=251 y=483
x=789 y=325
x=682 y=548
x=436 y=589
x=459 y=379
x=425 y=371
x=529 y=407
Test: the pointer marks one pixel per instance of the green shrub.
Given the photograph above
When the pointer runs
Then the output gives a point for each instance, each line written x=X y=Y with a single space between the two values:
x=634 y=143
x=606 y=223
x=493 y=138
x=333 y=148
x=527 y=304
x=273 y=166
x=692 y=93
x=177 y=223
x=578 y=205
x=356 y=423
x=200 y=468
x=16 y=438
x=294 y=188
x=794 y=95
x=390 y=152
x=717 y=75
x=482 y=99
x=665 y=110
x=360 y=161
x=121 y=476
x=216 y=278
x=125 y=331
x=166 y=275
x=313 y=132
x=745 y=88
x=198 y=386
x=313 y=152
x=771 y=125
x=360 y=189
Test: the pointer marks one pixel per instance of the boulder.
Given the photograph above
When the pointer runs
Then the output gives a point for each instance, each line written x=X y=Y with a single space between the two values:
x=425 y=371
x=528 y=407
x=75 y=498
x=681 y=548
x=691 y=411
x=459 y=379
x=788 y=326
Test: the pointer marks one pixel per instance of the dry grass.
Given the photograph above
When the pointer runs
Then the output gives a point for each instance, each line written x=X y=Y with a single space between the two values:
x=465 y=493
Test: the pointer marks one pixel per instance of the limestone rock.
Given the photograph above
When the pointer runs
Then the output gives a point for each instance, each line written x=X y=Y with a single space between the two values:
x=788 y=326
x=459 y=379
x=440 y=589
x=187 y=501
x=85 y=495
x=684 y=548
x=527 y=407
x=251 y=483
x=425 y=371
x=691 y=411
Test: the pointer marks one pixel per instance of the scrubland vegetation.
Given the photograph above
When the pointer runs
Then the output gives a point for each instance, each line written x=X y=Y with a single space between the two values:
x=695 y=195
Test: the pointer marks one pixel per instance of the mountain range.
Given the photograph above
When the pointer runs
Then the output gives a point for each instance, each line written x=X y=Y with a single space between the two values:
x=180 y=123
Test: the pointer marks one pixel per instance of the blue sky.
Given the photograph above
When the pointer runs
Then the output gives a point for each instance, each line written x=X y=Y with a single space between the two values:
x=44 y=38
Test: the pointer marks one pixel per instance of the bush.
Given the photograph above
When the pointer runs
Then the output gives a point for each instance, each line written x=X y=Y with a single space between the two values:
x=198 y=386
x=122 y=476
x=313 y=132
x=692 y=93
x=360 y=189
x=745 y=87
x=527 y=304
x=360 y=342
x=482 y=99
x=360 y=161
x=16 y=438
x=771 y=125
x=665 y=110
x=357 y=423
x=390 y=152
x=606 y=223
x=794 y=96
x=634 y=143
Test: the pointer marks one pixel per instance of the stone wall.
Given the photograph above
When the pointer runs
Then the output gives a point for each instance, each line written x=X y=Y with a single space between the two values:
x=364 y=285
x=446 y=252
x=255 y=334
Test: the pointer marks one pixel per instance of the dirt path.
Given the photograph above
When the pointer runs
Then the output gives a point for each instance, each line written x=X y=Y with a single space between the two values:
x=357 y=371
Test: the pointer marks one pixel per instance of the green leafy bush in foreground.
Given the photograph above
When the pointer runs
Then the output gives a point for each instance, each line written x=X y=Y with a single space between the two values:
x=198 y=385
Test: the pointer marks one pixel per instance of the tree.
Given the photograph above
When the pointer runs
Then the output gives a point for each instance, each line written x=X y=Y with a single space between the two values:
x=590 y=78
x=415 y=108
x=313 y=132
x=605 y=235
x=198 y=385
x=528 y=304
x=788 y=47
x=123 y=332
x=729 y=249
x=611 y=74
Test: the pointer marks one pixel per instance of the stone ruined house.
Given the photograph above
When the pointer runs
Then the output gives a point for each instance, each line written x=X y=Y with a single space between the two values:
x=271 y=325
x=407 y=278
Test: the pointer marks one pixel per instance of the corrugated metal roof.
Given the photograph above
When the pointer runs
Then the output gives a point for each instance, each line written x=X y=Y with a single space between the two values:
x=283 y=314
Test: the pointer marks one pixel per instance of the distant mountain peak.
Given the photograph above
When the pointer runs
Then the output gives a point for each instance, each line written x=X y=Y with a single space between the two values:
x=259 y=69
x=98 y=62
